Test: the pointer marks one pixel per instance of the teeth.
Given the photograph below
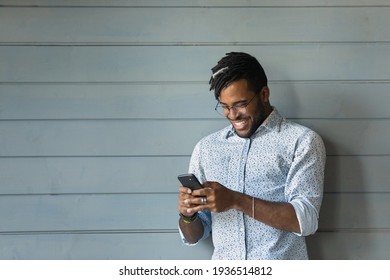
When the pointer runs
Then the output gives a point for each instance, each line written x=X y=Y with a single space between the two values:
x=239 y=124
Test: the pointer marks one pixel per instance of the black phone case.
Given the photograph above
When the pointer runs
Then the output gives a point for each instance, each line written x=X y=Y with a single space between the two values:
x=189 y=181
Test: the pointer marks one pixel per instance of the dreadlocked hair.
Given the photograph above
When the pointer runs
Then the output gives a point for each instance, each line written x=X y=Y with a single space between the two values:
x=236 y=66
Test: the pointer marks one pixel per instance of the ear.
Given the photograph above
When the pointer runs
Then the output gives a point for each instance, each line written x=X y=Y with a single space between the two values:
x=265 y=94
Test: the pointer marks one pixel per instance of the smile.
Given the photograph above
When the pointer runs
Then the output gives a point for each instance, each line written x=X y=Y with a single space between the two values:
x=238 y=125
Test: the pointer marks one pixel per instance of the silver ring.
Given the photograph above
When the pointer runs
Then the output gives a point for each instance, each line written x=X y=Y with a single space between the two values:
x=203 y=200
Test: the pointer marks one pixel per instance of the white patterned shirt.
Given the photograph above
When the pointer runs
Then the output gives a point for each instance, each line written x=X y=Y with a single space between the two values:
x=281 y=162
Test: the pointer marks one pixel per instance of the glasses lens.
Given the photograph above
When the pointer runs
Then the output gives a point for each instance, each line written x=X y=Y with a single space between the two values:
x=220 y=110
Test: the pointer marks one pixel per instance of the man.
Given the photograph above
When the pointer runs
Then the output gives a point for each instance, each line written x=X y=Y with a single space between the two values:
x=262 y=175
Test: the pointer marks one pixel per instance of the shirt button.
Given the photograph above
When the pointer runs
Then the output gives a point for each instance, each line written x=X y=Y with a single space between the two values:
x=241 y=229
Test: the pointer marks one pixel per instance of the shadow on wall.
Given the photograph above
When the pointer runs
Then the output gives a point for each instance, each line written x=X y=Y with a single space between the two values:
x=339 y=218
x=344 y=207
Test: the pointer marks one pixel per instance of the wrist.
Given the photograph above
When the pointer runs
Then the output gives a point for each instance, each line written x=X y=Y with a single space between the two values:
x=188 y=220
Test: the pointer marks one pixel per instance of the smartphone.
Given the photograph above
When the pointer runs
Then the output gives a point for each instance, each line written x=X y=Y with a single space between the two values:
x=189 y=181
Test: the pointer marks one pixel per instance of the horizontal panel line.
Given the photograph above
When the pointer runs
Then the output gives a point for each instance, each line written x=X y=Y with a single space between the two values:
x=204 y=6
x=359 y=192
x=217 y=118
x=365 y=155
x=187 y=44
x=89 y=194
x=353 y=230
x=270 y=82
x=108 y=83
x=164 y=155
x=169 y=231
x=81 y=232
x=150 y=193
x=109 y=119
x=148 y=156
x=94 y=156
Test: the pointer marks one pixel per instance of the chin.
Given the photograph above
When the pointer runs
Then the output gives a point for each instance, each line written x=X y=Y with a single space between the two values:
x=244 y=134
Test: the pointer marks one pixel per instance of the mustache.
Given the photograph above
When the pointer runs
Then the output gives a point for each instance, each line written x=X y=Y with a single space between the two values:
x=238 y=118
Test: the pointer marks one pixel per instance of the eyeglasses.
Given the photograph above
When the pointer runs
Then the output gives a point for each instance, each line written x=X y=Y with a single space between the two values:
x=224 y=110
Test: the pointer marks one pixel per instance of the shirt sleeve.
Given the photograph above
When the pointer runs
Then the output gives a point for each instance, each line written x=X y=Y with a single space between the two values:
x=304 y=186
x=205 y=216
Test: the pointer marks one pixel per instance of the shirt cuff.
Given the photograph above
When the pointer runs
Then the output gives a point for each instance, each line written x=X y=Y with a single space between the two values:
x=307 y=217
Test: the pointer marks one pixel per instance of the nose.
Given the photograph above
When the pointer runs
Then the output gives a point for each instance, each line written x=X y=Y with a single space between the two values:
x=232 y=114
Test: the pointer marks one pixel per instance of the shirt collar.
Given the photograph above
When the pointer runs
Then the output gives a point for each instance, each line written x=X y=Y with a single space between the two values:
x=272 y=122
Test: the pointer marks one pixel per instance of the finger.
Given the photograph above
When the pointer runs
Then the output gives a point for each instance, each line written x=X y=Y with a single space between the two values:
x=193 y=210
x=193 y=201
x=184 y=205
x=201 y=192
x=187 y=202
x=203 y=200
x=186 y=190
x=196 y=204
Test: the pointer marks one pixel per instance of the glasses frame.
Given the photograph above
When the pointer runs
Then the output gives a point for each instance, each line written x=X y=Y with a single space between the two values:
x=237 y=108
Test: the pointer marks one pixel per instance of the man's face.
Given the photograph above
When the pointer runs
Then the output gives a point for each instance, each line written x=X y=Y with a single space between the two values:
x=247 y=119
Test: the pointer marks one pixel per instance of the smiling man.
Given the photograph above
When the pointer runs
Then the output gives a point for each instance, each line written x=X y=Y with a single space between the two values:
x=262 y=175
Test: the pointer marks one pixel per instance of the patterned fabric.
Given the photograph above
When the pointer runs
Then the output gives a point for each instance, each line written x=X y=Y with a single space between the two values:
x=281 y=162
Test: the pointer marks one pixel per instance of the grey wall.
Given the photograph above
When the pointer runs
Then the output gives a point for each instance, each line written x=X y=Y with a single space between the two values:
x=101 y=103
